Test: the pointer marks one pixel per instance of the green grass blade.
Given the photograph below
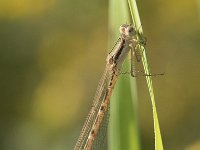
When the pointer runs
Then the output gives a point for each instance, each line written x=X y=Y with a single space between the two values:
x=123 y=129
x=137 y=23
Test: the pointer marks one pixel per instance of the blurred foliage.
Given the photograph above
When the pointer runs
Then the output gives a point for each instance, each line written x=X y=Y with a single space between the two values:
x=52 y=54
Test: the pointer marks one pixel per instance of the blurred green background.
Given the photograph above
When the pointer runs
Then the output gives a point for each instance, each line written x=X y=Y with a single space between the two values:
x=52 y=54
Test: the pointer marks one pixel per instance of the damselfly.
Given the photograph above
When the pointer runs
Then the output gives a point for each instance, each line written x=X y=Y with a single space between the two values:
x=127 y=42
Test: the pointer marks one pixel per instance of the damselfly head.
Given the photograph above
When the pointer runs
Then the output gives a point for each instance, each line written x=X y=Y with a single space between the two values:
x=127 y=30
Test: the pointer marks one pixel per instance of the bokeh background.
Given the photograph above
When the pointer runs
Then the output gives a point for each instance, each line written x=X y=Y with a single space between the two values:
x=52 y=54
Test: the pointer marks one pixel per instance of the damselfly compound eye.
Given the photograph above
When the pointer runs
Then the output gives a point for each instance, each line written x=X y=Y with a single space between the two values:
x=130 y=29
x=122 y=30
